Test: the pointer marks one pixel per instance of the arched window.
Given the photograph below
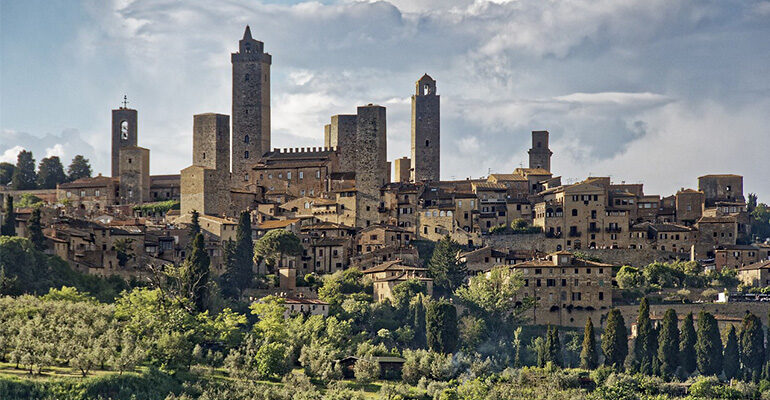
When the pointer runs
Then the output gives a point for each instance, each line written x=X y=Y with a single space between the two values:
x=246 y=139
x=427 y=143
x=442 y=213
x=246 y=154
x=124 y=130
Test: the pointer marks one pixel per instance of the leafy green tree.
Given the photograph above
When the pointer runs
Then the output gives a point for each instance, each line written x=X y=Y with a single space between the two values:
x=240 y=261
x=79 y=168
x=197 y=273
x=9 y=219
x=645 y=345
x=589 y=359
x=708 y=346
x=668 y=343
x=441 y=326
x=272 y=360
x=615 y=340
x=752 y=345
x=274 y=245
x=731 y=355
x=6 y=172
x=24 y=177
x=629 y=277
x=29 y=200
x=35 y=230
x=50 y=173
x=517 y=358
x=492 y=296
x=404 y=292
x=445 y=269
x=124 y=250
x=553 y=346
x=271 y=325
x=366 y=369
x=687 y=357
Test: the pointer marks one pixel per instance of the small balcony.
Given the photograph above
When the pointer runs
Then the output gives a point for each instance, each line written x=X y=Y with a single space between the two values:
x=613 y=229
x=553 y=235
x=594 y=229
x=574 y=234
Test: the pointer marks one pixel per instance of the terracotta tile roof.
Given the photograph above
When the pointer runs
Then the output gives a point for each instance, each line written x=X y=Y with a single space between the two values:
x=277 y=224
x=764 y=264
x=717 y=220
x=394 y=265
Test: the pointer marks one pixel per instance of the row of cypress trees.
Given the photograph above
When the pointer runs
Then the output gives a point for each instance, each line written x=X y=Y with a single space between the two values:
x=669 y=351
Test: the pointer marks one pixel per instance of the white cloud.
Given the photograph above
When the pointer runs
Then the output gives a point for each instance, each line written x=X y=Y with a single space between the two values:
x=56 y=150
x=10 y=155
x=630 y=88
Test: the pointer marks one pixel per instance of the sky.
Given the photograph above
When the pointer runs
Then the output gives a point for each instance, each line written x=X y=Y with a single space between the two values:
x=651 y=91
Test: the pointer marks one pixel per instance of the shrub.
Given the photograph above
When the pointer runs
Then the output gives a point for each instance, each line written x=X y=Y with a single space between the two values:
x=366 y=369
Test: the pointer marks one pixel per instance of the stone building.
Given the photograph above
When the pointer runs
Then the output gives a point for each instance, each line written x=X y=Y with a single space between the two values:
x=540 y=154
x=134 y=175
x=426 y=131
x=735 y=256
x=756 y=274
x=298 y=172
x=124 y=134
x=251 y=106
x=342 y=136
x=721 y=187
x=90 y=195
x=206 y=183
x=371 y=164
x=689 y=206
x=402 y=170
x=389 y=274
x=567 y=290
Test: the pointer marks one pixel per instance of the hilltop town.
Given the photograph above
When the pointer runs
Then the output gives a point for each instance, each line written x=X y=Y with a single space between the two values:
x=580 y=249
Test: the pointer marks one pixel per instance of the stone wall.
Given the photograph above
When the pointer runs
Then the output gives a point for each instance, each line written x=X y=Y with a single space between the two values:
x=134 y=175
x=737 y=310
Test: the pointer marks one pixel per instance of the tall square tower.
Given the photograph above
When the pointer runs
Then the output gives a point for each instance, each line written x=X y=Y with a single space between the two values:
x=426 y=131
x=124 y=134
x=540 y=154
x=251 y=105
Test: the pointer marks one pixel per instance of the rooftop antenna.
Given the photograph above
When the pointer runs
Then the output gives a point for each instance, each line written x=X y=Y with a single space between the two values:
x=125 y=101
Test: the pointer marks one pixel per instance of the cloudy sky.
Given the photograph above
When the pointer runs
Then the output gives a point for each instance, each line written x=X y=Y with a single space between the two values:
x=653 y=91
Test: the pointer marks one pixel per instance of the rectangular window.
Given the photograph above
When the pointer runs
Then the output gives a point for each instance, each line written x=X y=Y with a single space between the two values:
x=288 y=175
x=301 y=174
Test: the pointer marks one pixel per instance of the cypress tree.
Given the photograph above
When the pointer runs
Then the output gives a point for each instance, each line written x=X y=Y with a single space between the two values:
x=615 y=340
x=553 y=346
x=688 y=337
x=752 y=346
x=417 y=310
x=9 y=220
x=24 y=176
x=195 y=225
x=731 y=365
x=79 y=168
x=50 y=172
x=588 y=357
x=668 y=343
x=441 y=326
x=240 y=260
x=708 y=346
x=645 y=345
x=198 y=273
x=36 y=230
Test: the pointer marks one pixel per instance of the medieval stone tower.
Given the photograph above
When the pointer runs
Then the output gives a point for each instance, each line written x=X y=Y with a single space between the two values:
x=426 y=131
x=540 y=154
x=205 y=185
x=342 y=136
x=371 y=163
x=251 y=105
x=124 y=134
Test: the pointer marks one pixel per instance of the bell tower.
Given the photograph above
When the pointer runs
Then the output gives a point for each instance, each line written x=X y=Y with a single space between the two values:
x=426 y=131
x=540 y=154
x=251 y=105
x=124 y=133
